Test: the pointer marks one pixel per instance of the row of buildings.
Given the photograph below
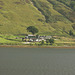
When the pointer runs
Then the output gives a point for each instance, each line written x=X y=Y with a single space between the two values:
x=35 y=38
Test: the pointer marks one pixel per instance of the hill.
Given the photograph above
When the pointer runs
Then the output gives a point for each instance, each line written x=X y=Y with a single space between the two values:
x=55 y=17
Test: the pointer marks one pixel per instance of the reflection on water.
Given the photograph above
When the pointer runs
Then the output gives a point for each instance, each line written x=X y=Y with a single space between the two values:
x=37 y=61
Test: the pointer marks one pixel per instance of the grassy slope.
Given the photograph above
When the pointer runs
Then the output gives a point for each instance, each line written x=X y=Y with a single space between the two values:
x=9 y=40
x=16 y=16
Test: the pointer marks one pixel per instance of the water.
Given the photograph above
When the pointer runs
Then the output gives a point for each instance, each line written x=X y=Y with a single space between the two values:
x=37 y=61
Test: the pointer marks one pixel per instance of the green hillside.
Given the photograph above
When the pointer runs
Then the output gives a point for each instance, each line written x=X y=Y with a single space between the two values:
x=55 y=17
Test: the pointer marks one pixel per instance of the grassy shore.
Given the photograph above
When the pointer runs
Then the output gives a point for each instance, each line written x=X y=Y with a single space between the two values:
x=28 y=46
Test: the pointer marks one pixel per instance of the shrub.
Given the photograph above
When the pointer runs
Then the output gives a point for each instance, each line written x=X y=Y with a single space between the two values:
x=51 y=41
x=47 y=41
x=70 y=33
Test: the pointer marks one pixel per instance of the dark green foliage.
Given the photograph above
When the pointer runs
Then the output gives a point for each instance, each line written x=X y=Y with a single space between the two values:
x=47 y=40
x=70 y=33
x=22 y=39
x=51 y=41
x=73 y=26
x=37 y=36
x=32 y=29
x=40 y=20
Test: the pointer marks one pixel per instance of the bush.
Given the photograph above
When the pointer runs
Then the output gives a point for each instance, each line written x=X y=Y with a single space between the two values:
x=70 y=33
x=47 y=41
x=51 y=41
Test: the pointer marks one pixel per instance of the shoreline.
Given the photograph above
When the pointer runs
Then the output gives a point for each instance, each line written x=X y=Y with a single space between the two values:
x=27 y=46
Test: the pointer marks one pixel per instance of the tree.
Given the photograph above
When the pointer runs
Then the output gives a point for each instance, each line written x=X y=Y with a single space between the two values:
x=47 y=41
x=32 y=29
x=70 y=33
x=51 y=41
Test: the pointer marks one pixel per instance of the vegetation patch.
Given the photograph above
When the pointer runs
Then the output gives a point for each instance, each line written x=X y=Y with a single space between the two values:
x=50 y=17
x=63 y=9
